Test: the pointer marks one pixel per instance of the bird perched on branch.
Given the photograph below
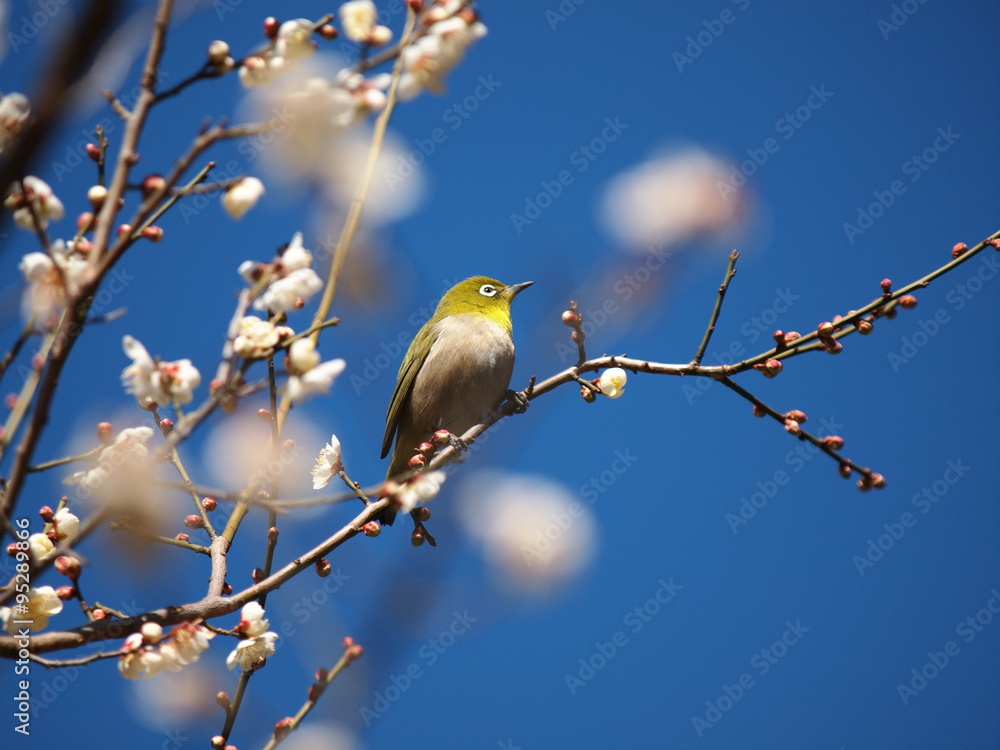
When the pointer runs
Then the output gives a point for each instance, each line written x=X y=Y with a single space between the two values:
x=456 y=370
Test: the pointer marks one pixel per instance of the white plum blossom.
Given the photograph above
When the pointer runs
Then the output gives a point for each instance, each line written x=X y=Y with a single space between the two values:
x=290 y=280
x=427 y=61
x=14 y=111
x=612 y=382
x=41 y=605
x=295 y=40
x=38 y=195
x=39 y=545
x=419 y=489
x=242 y=196
x=256 y=643
x=158 y=382
x=317 y=380
x=358 y=19
x=128 y=448
x=257 y=338
x=52 y=277
x=65 y=524
x=302 y=355
x=147 y=654
x=328 y=464
x=256 y=71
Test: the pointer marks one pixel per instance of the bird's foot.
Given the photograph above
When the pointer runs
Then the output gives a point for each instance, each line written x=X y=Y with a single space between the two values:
x=518 y=401
x=420 y=533
x=457 y=443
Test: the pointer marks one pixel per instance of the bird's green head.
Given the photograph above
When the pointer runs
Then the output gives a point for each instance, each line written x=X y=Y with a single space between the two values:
x=480 y=295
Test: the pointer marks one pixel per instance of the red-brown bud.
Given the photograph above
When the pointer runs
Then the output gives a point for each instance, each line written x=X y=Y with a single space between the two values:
x=578 y=336
x=372 y=528
x=328 y=32
x=46 y=513
x=257 y=575
x=272 y=534
x=153 y=233
x=93 y=152
x=151 y=183
x=209 y=503
x=886 y=287
x=759 y=411
x=863 y=326
x=264 y=415
x=834 y=347
x=12 y=549
x=834 y=443
x=68 y=566
x=865 y=483
x=441 y=438
x=779 y=337
x=417 y=538
x=571 y=318
x=422 y=514
x=65 y=593
x=959 y=250
x=166 y=425
x=792 y=336
x=271 y=26
x=798 y=416
x=323 y=567
x=194 y=522
x=845 y=470
x=878 y=481
x=908 y=302
x=104 y=431
x=427 y=449
x=416 y=461
x=825 y=329
x=182 y=537
x=415 y=5
x=283 y=728
x=98 y=614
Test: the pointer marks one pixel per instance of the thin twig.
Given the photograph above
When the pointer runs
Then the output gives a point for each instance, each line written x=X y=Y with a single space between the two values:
x=723 y=287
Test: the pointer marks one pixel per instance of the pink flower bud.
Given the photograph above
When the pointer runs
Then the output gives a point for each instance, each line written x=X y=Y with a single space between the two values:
x=792 y=427
x=416 y=461
x=283 y=728
x=779 y=337
x=348 y=642
x=257 y=575
x=104 y=431
x=227 y=589
x=328 y=32
x=354 y=653
x=864 y=327
x=959 y=250
x=182 y=537
x=93 y=152
x=571 y=318
x=441 y=438
x=587 y=394
x=12 y=549
x=798 y=416
x=153 y=233
x=272 y=534
x=578 y=336
x=825 y=329
x=152 y=183
x=65 y=593
x=209 y=503
x=193 y=522
x=68 y=566
x=908 y=302
x=878 y=481
x=834 y=443
x=98 y=614
x=84 y=221
x=166 y=425
x=372 y=528
x=222 y=698
x=834 y=347
x=427 y=449
x=886 y=286
x=46 y=513
x=264 y=415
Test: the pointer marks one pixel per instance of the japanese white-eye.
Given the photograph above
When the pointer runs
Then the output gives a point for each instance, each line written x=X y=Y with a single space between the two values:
x=456 y=370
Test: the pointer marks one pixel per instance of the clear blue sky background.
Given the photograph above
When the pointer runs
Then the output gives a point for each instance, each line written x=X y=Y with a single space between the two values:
x=697 y=457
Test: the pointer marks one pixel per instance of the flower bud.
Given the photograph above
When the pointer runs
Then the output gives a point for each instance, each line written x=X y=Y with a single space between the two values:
x=271 y=26
x=46 y=513
x=878 y=481
x=415 y=5
x=194 y=522
x=272 y=534
x=348 y=643
x=422 y=514
x=283 y=728
x=372 y=528
x=12 y=550
x=222 y=698
x=834 y=442
x=865 y=483
x=907 y=301
x=96 y=196
x=845 y=470
x=834 y=347
x=104 y=431
x=886 y=286
x=93 y=152
x=218 y=51
x=587 y=394
x=798 y=416
x=328 y=32
x=417 y=538
x=98 y=614
x=152 y=183
x=571 y=318
x=354 y=653
x=264 y=415
x=416 y=461
x=166 y=425
x=153 y=233
x=427 y=449
x=759 y=411
x=792 y=427
x=578 y=336
x=441 y=438
x=959 y=250
x=227 y=589
x=863 y=327
x=825 y=329
x=65 y=593
x=182 y=537
x=323 y=567
x=209 y=503
x=68 y=566
x=779 y=337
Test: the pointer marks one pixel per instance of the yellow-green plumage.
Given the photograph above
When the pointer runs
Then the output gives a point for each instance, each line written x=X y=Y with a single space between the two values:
x=456 y=370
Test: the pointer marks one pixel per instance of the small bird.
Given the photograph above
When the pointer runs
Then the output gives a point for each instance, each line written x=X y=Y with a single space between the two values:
x=456 y=370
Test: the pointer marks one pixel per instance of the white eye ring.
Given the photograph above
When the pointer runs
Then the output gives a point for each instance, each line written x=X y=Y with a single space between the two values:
x=488 y=290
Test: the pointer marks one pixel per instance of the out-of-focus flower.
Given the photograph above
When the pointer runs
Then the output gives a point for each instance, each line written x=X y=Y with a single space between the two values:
x=328 y=464
x=255 y=71
x=358 y=18
x=41 y=605
x=158 y=382
x=128 y=451
x=14 y=111
x=673 y=198
x=295 y=40
x=536 y=534
x=612 y=382
x=318 y=380
x=256 y=643
x=427 y=61
x=242 y=196
x=419 y=489
x=302 y=356
x=37 y=195
x=52 y=277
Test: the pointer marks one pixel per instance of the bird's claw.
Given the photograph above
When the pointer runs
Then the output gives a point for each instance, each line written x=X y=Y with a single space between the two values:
x=457 y=443
x=518 y=400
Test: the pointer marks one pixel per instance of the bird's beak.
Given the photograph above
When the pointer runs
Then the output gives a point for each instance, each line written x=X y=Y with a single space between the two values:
x=515 y=288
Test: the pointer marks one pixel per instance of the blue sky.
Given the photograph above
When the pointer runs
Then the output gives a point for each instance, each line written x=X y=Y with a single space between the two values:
x=694 y=630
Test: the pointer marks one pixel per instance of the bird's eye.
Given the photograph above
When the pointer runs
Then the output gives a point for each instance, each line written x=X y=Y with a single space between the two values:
x=487 y=290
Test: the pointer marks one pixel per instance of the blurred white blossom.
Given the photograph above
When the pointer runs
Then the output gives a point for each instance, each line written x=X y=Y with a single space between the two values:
x=672 y=198
x=158 y=382
x=52 y=277
x=295 y=40
x=36 y=195
x=126 y=452
x=290 y=281
x=147 y=654
x=358 y=18
x=41 y=605
x=318 y=380
x=536 y=534
x=14 y=111
x=419 y=489
x=242 y=196
x=427 y=61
